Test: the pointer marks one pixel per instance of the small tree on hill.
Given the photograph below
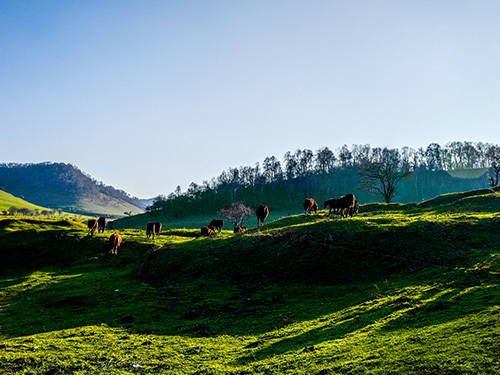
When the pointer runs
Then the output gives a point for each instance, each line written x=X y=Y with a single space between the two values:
x=12 y=210
x=25 y=211
x=238 y=212
x=381 y=173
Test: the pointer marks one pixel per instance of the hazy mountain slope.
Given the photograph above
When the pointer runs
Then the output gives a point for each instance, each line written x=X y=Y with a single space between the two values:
x=61 y=185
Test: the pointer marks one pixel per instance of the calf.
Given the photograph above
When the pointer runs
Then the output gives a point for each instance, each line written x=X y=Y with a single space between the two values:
x=206 y=231
x=331 y=203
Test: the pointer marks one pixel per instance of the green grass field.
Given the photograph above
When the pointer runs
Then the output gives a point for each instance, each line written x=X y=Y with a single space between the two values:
x=398 y=289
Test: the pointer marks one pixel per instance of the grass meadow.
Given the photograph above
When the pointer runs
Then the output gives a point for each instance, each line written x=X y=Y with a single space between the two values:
x=397 y=289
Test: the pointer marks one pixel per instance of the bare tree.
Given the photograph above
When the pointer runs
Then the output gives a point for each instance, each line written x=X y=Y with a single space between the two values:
x=493 y=155
x=381 y=173
x=238 y=212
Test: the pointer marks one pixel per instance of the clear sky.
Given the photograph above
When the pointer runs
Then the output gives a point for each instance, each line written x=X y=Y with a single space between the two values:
x=148 y=95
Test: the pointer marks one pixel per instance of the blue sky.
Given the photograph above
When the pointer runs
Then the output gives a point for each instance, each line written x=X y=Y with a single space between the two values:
x=148 y=95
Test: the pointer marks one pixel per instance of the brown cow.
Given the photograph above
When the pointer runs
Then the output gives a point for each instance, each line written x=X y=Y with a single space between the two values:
x=150 y=230
x=238 y=229
x=101 y=225
x=114 y=243
x=216 y=224
x=310 y=205
x=262 y=213
x=345 y=203
x=157 y=228
x=92 y=225
x=206 y=231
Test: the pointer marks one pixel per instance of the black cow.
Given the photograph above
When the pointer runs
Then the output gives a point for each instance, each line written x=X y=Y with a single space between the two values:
x=216 y=224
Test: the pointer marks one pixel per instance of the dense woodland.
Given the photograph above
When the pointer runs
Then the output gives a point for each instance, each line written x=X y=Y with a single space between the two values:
x=283 y=184
x=55 y=184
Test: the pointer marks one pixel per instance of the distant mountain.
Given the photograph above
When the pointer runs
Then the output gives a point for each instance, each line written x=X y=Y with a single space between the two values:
x=62 y=185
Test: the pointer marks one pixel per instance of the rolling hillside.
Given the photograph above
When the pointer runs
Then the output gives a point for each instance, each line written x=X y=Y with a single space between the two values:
x=8 y=200
x=482 y=199
x=60 y=185
x=396 y=289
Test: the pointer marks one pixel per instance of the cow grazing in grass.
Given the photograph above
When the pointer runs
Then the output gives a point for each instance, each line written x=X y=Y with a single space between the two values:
x=345 y=203
x=238 y=229
x=262 y=213
x=101 y=225
x=310 y=206
x=157 y=228
x=331 y=203
x=114 y=243
x=353 y=211
x=206 y=231
x=216 y=224
x=150 y=230
x=92 y=225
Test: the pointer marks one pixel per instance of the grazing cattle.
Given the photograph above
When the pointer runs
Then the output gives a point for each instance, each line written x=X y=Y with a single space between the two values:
x=114 y=243
x=92 y=225
x=331 y=203
x=262 y=213
x=206 y=231
x=157 y=228
x=216 y=224
x=150 y=230
x=353 y=211
x=344 y=203
x=101 y=225
x=310 y=205
x=238 y=229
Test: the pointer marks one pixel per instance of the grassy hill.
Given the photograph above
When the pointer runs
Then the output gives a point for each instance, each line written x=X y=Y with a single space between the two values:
x=410 y=289
x=483 y=199
x=62 y=185
x=8 y=200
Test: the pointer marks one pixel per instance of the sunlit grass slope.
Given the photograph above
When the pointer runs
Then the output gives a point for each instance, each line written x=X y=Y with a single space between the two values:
x=408 y=290
x=8 y=200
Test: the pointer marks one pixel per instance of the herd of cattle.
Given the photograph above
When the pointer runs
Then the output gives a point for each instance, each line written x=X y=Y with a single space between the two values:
x=346 y=205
